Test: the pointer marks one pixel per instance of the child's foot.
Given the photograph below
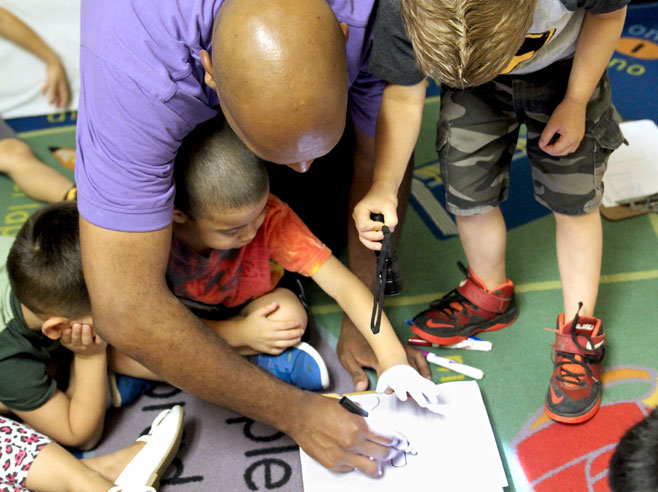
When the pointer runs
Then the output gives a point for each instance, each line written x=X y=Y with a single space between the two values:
x=467 y=310
x=574 y=393
x=126 y=389
x=145 y=470
x=300 y=365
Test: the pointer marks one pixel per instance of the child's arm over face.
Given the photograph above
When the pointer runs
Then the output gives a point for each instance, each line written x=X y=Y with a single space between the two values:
x=598 y=38
x=398 y=125
x=75 y=418
x=357 y=301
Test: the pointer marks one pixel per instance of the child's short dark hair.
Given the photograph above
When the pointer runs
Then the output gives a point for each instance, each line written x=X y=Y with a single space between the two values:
x=45 y=266
x=634 y=464
x=214 y=171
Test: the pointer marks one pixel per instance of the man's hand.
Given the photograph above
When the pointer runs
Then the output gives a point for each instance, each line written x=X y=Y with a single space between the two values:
x=375 y=201
x=267 y=335
x=339 y=440
x=565 y=128
x=354 y=354
x=82 y=341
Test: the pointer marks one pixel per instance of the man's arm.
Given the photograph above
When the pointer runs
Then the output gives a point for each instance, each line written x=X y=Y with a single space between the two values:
x=134 y=311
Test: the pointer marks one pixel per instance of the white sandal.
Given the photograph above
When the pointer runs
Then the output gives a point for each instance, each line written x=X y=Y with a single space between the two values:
x=144 y=471
x=116 y=488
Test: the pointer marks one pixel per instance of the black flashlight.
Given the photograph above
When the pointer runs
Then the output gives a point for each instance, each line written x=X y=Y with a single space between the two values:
x=393 y=283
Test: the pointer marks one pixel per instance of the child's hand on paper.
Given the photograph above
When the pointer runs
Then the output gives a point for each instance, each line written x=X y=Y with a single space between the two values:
x=403 y=379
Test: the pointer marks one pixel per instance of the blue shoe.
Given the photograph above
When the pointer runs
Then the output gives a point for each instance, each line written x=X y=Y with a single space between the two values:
x=300 y=365
x=126 y=389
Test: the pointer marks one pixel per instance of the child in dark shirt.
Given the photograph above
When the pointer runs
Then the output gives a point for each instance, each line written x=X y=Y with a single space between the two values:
x=53 y=367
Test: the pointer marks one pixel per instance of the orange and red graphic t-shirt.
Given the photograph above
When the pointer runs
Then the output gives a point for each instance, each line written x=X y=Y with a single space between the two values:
x=232 y=277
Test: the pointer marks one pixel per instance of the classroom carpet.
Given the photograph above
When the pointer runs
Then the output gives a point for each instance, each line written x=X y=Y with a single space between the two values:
x=224 y=451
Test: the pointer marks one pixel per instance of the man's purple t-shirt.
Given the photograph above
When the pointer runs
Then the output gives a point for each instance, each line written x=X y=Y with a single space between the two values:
x=142 y=91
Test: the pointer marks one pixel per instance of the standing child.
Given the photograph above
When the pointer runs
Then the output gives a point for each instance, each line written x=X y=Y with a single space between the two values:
x=502 y=63
x=232 y=240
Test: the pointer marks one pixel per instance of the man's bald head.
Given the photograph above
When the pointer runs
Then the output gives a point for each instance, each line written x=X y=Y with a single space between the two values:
x=281 y=73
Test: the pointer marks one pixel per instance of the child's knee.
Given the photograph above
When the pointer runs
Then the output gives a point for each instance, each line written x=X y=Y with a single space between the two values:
x=12 y=150
x=290 y=307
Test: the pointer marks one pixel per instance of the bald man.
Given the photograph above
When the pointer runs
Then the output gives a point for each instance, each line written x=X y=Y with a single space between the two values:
x=285 y=77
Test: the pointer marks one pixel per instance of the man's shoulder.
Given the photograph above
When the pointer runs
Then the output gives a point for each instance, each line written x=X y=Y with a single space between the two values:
x=132 y=34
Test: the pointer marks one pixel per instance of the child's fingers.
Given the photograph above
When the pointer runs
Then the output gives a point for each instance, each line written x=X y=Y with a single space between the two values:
x=547 y=135
x=65 y=338
x=64 y=94
x=86 y=335
x=284 y=325
x=76 y=334
x=372 y=245
x=290 y=334
x=267 y=309
x=372 y=234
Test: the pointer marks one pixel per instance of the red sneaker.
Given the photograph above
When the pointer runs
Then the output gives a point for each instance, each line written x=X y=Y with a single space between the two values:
x=467 y=310
x=574 y=393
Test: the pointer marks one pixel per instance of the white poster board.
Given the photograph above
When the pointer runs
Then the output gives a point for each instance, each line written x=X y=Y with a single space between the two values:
x=457 y=452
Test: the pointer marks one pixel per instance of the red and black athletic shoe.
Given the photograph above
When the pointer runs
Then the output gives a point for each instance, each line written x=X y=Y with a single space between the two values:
x=467 y=310
x=574 y=393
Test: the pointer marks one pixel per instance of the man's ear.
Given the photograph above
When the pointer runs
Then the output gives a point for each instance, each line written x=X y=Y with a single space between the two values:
x=53 y=327
x=179 y=217
x=346 y=31
x=208 y=78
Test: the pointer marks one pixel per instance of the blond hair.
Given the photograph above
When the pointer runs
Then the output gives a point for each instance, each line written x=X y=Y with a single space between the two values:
x=463 y=43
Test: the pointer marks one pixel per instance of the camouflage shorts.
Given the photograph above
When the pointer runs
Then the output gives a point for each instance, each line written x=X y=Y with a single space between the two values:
x=478 y=130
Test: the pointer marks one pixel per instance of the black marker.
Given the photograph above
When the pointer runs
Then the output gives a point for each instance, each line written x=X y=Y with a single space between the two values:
x=352 y=407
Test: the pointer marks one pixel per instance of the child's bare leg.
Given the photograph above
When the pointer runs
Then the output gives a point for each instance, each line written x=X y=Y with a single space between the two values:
x=56 y=470
x=484 y=239
x=122 y=364
x=579 y=242
x=111 y=465
x=36 y=179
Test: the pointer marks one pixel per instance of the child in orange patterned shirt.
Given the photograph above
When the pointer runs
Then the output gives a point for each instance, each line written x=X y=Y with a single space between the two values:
x=231 y=240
